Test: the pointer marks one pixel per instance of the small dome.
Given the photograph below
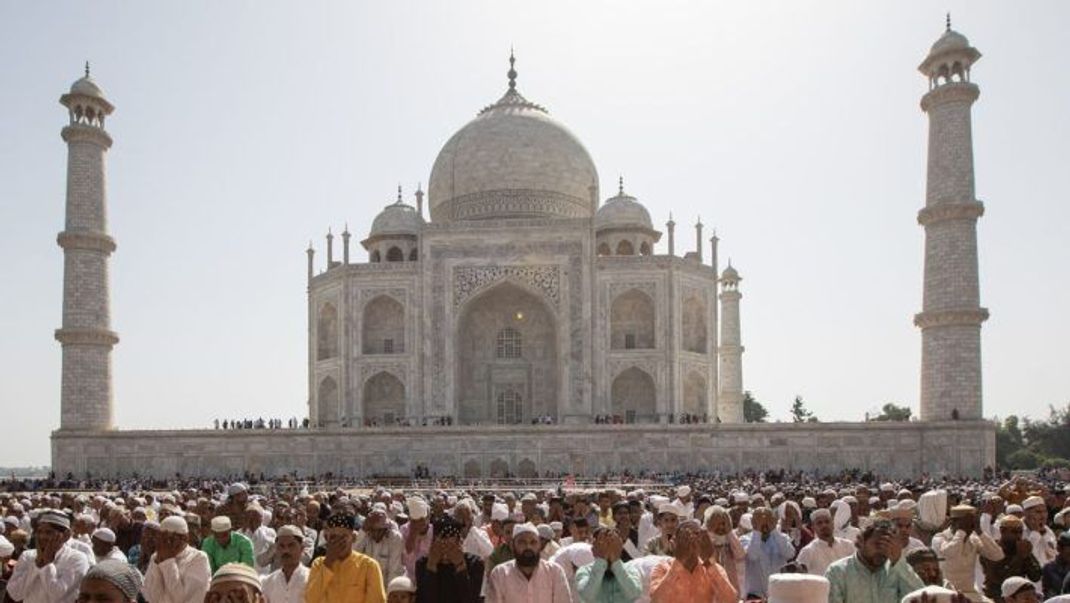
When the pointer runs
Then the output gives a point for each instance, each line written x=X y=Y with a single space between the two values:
x=622 y=211
x=397 y=219
x=730 y=274
x=951 y=40
x=85 y=86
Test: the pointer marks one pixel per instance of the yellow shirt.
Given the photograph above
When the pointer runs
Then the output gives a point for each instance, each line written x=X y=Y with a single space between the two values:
x=356 y=579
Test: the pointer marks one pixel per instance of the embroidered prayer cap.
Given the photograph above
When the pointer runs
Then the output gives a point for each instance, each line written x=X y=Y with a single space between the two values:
x=122 y=576
x=237 y=572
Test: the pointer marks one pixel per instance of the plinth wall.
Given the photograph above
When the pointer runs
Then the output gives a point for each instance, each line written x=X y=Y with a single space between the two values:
x=894 y=450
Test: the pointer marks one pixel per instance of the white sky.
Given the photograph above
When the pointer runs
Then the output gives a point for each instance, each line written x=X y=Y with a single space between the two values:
x=243 y=129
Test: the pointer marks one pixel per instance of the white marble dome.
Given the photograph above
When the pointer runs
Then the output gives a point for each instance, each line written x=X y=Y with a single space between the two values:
x=513 y=161
x=85 y=86
x=396 y=219
x=951 y=40
x=622 y=211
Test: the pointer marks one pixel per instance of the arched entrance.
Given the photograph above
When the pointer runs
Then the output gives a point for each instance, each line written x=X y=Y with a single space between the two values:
x=505 y=350
x=634 y=396
x=384 y=399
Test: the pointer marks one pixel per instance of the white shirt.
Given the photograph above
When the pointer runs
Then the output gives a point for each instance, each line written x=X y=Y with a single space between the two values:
x=56 y=582
x=115 y=553
x=388 y=552
x=263 y=538
x=84 y=548
x=645 y=566
x=1043 y=545
x=818 y=555
x=277 y=590
x=180 y=579
x=960 y=552
x=548 y=584
x=647 y=529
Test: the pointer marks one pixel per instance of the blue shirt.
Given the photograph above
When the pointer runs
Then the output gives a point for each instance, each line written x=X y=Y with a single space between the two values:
x=595 y=586
x=850 y=581
x=764 y=557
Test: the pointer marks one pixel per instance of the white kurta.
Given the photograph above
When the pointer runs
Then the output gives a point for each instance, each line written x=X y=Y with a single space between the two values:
x=277 y=590
x=818 y=555
x=180 y=579
x=960 y=552
x=56 y=582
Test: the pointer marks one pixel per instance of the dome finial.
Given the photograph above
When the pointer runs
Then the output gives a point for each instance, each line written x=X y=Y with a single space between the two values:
x=87 y=68
x=948 y=25
x=512 y=70
x=620 y=190
x=399 y=195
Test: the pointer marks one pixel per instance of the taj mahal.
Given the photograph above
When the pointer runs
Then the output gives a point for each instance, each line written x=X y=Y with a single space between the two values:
x=517 y=320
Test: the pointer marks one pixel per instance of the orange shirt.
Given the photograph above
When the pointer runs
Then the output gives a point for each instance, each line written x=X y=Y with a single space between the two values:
x=670 y=582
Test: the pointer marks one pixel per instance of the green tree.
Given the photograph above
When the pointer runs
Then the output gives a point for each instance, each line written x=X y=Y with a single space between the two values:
x=753 y=411
x=1024 y=459
x=799 y=414
x=1050 y=438
x=1008 y=440
x=892 y=412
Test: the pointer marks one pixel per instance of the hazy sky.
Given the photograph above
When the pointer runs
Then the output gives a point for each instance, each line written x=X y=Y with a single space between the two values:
x=244 y=129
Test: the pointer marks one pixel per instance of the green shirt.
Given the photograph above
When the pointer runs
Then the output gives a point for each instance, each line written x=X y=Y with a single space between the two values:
x=594 y=586
x=238 y=550
x=850 y=581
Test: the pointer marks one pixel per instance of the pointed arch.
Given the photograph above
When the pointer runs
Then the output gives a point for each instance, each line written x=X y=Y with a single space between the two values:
x=414 y=254
x=695 y=394
x=395 y=254
x=383 y=326
x=631 y=318
x=694 y=323
x=328 y=403
x=526 y=327
x=644 y=248
x=604 y=250
x=634 y=396
x=327 y=332
x=384 y=398
x=375 y=257
x=625 y=247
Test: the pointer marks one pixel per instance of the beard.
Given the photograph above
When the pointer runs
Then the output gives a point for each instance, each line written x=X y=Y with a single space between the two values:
x=527 y=559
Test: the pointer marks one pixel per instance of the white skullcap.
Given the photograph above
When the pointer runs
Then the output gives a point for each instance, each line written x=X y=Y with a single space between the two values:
x=721 y=502
x=176 y=525
x=798 y=588
x=683 y=491
x=522 y=528
x=887 y=487
x=740 y=497
x=401 y=584
x=235 y=488
x=104 y=535
x=221 y=523
x=556 y=526
x=673 y=508
x=936 y=594
x=237 y=572
x=578 y=554
x=529 y=497
x=874 y=500
x=1015 y=584
x=499 y=512
x=657 y=500
x=418 y=508
x=545 y=532
x=850 y=500
x=907 y=505
x=1032 y=501
x=290 y=530
x=1012 y=509
x=808 y=502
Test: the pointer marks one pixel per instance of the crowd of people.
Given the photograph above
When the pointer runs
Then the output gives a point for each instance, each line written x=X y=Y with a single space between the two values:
x=260 y=423
x=774 y=538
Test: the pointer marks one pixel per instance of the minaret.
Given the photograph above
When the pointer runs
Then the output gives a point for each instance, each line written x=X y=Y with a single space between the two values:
x=345 y=245
x=951 y=315
x=86 y=335
x=730 y=352
x=330 y=249
x=698 y=239
x=671 y=227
